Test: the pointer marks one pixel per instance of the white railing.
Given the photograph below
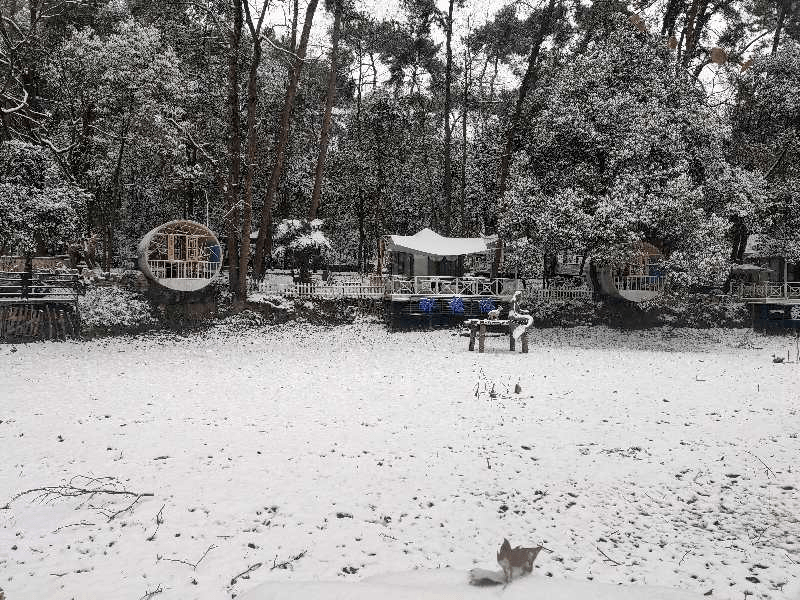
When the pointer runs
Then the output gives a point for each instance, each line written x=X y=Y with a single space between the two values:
x=168 y=269
x=318 y=290
x=649 y=283
x=451 y=286
x=767 y=290
x=561 y=294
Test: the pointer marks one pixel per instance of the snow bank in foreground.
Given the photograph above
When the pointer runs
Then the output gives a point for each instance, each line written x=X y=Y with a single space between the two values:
x=449 y=584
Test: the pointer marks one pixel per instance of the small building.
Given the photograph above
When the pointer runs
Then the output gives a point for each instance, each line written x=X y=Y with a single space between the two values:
x=639 y=279
x=428 y=279
x=181 y=255
x=769 y=282
x=427 y=253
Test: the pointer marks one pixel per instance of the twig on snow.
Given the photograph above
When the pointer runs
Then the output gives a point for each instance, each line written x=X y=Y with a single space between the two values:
x=287 y=563
x=159 y=521
x=82 y=523
x=155 y=592
x=608 y=558
x=186 y=562
x=244 y=574
x=767 y=469
x=85 y=487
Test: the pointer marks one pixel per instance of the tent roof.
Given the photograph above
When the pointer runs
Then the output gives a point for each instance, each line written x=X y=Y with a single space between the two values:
x=430 y=243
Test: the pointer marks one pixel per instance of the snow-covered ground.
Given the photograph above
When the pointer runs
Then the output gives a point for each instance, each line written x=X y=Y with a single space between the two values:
x=303 y=453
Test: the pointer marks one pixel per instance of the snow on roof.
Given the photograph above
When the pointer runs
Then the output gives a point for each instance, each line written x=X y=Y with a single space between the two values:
x=749 y=267
x=430 y=243
x=760 y=246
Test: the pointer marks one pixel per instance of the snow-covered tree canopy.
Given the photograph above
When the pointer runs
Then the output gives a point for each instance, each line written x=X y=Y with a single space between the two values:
x=37 y=208
x=621 y=149
x=301 y=236
x=766 y=123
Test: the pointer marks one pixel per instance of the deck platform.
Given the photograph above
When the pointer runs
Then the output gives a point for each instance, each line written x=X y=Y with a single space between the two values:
x=38 y=305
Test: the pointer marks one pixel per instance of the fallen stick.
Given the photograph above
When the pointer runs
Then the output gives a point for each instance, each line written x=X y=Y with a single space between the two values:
x=155 y=592
x=82 y=523
x=246 y=572
x=287 y=563
x=768 y=470
x=608 y=558
x=186 y=562
x=159 y=521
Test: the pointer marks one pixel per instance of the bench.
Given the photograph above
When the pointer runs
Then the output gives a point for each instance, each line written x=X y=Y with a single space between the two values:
x=477 y=327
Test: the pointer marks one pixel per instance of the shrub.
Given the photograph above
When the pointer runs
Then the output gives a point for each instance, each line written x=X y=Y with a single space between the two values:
x=114 y=310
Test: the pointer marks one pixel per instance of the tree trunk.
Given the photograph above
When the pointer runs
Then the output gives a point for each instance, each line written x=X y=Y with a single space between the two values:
x=326 y=119
x=693 y=29
x=234 y=147
x=464 y=114
x=295 y=15
x=252 y=143
x=528 y=82
x=264 y=242
x=448 y=156
x=783 y=7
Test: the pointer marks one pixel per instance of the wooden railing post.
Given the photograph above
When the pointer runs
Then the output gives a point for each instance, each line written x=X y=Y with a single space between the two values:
x=25 y=283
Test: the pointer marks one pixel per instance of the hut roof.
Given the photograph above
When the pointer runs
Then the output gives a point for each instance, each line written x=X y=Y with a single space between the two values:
x=761 y=246
x=430 y=243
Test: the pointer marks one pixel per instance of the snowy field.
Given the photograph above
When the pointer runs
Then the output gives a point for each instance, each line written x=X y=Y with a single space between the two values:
x=299 y=453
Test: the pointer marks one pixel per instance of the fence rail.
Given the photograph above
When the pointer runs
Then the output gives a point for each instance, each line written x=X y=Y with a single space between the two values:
x=769 y=290
x=560 y=294
x=26 y=286
x=168 y=269
x=640 y=283
x=315 y=290
x=452 y=286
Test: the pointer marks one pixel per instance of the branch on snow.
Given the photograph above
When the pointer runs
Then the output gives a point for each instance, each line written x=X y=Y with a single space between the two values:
x=87 y=489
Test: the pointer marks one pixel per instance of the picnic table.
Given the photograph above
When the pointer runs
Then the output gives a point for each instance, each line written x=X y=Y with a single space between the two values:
x=477 y=327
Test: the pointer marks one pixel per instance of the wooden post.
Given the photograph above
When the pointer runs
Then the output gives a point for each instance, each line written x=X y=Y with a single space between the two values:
x=512 y=343
x=785 y=278
x=525 y=342
x=473 y=329
x=481 y=339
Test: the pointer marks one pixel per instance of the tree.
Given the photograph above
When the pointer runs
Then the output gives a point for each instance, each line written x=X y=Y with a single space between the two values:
x=110 y=99
x=624 y=151
x=338 y=8
x=545 y=27
x=264 y=241
x=766 y=134
x=38 y=209
x=252 y=143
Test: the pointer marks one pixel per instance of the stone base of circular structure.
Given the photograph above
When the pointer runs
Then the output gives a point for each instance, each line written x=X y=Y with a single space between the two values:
x=192 y=305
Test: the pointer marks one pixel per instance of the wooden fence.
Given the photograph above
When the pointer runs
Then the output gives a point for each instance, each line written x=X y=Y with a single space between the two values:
x=768 y=290
x=24 y=322
x=21 y=287
x=560 y=294
x=318 y=290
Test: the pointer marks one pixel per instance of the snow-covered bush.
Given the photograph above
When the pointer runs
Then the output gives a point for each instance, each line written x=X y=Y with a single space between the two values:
x=300 y=240
x=693 y=311
x=696 y=311
x=114 y=310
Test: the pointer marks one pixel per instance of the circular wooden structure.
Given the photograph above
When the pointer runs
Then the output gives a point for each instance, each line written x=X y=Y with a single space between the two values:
x=636 y=281
x=180 y=255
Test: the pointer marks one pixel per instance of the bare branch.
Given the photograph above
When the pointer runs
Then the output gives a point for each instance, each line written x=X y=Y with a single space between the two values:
x=22 y=103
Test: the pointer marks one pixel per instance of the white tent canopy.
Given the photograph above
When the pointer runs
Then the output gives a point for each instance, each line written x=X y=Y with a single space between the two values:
x=430 y=243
